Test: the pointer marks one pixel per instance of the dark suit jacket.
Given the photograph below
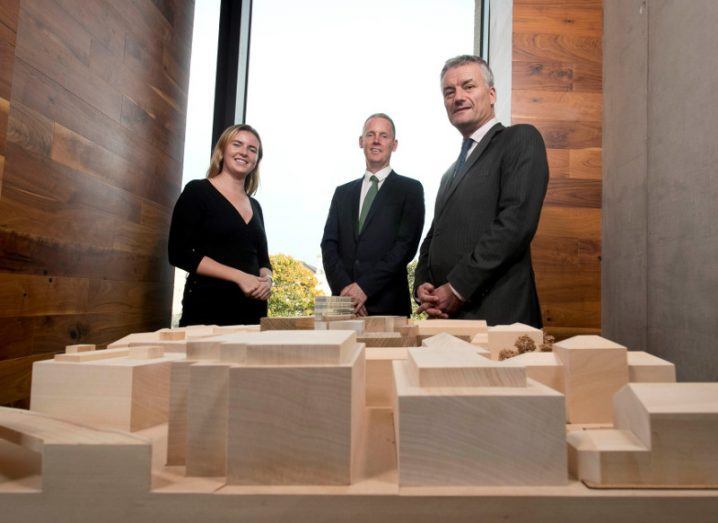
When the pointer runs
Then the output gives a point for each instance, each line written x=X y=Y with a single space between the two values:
x=484 y=220
x=376 y=258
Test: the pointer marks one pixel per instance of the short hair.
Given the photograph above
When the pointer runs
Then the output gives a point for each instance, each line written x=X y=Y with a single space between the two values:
x=381 y=115
x=470 y=59
x=251 y=182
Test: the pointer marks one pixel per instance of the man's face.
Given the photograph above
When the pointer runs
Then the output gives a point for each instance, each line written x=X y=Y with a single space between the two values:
x=469 y=102
x=378 y=143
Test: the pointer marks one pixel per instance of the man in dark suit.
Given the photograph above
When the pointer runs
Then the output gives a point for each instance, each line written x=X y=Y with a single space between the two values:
x=475 y=261
x=373 y=228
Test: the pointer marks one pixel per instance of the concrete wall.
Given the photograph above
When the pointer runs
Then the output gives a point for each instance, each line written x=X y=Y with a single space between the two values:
x=660 y=200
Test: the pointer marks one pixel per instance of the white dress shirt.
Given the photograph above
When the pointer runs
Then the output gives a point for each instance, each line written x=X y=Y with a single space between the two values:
x=366 y=182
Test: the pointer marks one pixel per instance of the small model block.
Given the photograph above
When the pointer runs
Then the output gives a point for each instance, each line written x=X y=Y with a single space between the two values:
x=594 y=370
x=477 y=435
x=116 y=393
x=296 y=421
x=381 y=339
x=664 y=436
x=647 y=368
x=347 y=325
x=449 y=342
x=146 y=352
x=207 y=419
x=78 y=458
x=172 y=335
x=505 y=336
x=481 y=339
x=282 y=323
x=74 y=349
x=409 y=335
x=544 y=367
x=384 y=323
x=79 y=357
x=464 y=329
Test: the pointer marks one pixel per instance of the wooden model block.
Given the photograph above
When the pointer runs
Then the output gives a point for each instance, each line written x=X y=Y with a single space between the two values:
x=594 y=370
x=409 y=335
x=207 y=419
x=84 y=347
x=333 y=317
x=177 y=416
x=78 y=458
x=384 y=323
x=544 y=367
x=289 y=348
x=297 y=424
x=79 y=357
x=117 y=393
x=477 y=435
x=460 y=367
x=172 y=335
x=280 y=323
x=647 y=368
x=449 y=342
x=348 y=325
x=481 y=339
x=665 y=436
x=464 y=329
x=505 y=336
x=146 y=352
x=380 y=375
x=381 y=339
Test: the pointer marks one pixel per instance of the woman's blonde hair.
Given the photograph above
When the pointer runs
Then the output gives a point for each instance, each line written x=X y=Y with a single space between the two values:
x=251 y=182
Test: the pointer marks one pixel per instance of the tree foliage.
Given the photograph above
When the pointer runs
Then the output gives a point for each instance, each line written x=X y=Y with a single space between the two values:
x=294 y=289
x=411 y=269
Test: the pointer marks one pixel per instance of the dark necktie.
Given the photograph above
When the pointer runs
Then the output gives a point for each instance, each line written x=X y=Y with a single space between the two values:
x=465 y=146
x=368 y=200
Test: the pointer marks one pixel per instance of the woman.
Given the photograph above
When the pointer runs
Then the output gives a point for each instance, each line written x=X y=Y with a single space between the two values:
x=217 y=236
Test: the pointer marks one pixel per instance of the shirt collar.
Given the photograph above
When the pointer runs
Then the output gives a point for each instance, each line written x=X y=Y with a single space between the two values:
x=479 y=133
x=381 y=174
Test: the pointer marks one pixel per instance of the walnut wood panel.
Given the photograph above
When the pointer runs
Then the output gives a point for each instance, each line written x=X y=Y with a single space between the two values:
x=93 y=97
x=557 y=86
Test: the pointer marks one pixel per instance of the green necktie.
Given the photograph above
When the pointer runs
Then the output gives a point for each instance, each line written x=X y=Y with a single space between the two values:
x=368 y=200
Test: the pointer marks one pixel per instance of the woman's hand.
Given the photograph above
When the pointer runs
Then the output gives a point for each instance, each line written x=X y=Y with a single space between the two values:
x=263 y=289
x=248 y=283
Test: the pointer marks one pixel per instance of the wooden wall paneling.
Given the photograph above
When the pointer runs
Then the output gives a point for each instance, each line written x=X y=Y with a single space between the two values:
x=557 y=86
x=93 y=96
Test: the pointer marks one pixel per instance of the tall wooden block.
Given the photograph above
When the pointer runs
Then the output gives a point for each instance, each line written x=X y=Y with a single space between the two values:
x=296 y=423
x=665 y=436
x=207 y=419
x=544 y=367
x=465 y=435
x=505 y=336
x=118 y=393
x=594 y=370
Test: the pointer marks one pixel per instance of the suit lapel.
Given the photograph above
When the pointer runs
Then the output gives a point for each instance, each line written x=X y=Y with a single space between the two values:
x=451 y=183
x=381 y=196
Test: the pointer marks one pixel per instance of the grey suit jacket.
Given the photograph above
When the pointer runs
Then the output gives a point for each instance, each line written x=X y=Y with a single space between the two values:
x=484 y=220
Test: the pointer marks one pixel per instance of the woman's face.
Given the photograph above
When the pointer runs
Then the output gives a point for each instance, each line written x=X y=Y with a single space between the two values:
x=240 y=154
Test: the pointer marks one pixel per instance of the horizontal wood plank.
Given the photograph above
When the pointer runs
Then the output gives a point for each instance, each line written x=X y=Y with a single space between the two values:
x=574 y=193
x=560 y=19
x=557 y=106
x=31 y=295
x=16 y=377
x=533 y=47
x=567 y=134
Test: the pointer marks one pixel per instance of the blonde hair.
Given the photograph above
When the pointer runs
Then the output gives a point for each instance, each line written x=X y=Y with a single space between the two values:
x=251 y=182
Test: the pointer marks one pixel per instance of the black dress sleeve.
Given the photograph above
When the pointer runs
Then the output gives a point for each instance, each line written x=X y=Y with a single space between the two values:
x=185 y=245
x=263 y=249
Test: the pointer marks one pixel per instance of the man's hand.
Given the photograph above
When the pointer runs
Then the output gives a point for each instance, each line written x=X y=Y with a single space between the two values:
x=357 y=295
x=447 y=301
x=428 y=301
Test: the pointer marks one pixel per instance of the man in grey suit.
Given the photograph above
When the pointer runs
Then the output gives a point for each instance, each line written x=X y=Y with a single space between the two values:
x=475 y=261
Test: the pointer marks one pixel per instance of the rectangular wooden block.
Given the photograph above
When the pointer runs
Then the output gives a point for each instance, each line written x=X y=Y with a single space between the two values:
x=84 y=347
x=207 y=404
x=146 y=352
x=172 y=335
x=351 y=325
x=295 y=425
x=505 y=336
x=543 y=367
x=380 y=375
x=78 y=357
x=478 y=435
x=645 y=367
x=276 y=323
x=594 y=370
x=381 y=339
x=119 y=394
x=459 y=328
x=177 y=416
x=449 y=342
x=384 y=323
